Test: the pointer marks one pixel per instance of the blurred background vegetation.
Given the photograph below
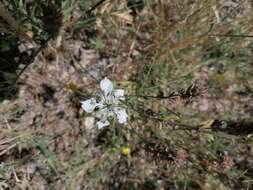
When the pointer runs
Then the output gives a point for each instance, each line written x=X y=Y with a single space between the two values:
x=188 y=71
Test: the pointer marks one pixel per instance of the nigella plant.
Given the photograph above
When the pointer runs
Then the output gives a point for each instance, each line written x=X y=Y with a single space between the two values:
x=109 y=106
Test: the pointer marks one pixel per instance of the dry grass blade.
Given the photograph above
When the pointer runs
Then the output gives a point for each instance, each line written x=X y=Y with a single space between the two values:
x=10 y=139
x=9 y=24
x=124 y=16
x=6 y=149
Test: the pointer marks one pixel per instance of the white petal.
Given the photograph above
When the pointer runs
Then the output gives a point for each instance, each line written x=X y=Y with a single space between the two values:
x=106 y=86
x=119 y=93
x=89 y=105
x=121 y=115
x=103 y=123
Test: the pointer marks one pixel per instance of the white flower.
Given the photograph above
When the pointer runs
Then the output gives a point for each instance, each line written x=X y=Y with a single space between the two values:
x=106 y=86
x=108 y=106
x=89 y=105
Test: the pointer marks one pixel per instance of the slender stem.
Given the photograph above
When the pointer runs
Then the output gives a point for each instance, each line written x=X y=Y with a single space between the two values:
x=114 y=131
x=95 y=6
x=231 y=35
x=156 y=97
x=34 y=55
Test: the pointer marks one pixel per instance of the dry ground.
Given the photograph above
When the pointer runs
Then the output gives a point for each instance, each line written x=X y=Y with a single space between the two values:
x=187 y=69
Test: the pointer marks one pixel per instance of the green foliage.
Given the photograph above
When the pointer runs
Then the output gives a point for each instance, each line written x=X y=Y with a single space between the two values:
x=189 y=99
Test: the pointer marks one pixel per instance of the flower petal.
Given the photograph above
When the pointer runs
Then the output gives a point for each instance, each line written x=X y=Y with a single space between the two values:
x=119 y=94
x=102 y=123
x=106 y=86
x=121 y=115
x=89 y=105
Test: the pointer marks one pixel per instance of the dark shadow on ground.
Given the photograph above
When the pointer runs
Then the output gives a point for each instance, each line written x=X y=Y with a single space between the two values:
x=10 y=59
x=243 y=127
